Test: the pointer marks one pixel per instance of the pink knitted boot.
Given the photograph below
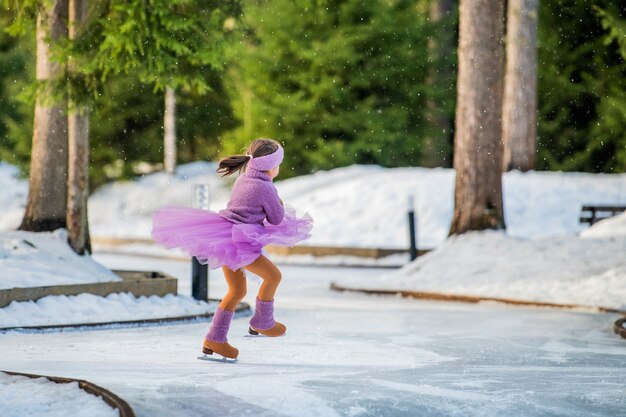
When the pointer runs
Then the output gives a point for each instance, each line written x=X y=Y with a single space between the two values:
x=216 y=340
x=263 y=320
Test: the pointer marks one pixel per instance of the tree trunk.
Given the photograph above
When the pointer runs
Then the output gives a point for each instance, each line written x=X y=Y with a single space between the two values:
x=47 y=194
x=78 y=149
x=477 y=140
x=169 y=125
x=437 y=144
x=519 y=111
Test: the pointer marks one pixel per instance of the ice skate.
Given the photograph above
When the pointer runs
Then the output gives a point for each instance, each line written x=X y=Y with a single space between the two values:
x=279 y=329
x=223 y=349
x=216 y=340
x=263 y=320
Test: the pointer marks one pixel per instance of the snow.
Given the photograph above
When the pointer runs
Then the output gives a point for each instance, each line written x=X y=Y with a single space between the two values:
x=35 y=259
x=368 y=203
x=22 y=396
x=89 y=308
x=13 y=196
x=613 y=227
x=124 y=209
x=566 y=270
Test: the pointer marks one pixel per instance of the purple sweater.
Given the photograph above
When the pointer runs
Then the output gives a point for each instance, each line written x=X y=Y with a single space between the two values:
x=253 y=199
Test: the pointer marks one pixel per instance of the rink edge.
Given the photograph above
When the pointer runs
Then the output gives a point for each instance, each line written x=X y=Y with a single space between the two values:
x=107 y=396
x=242 y=307
x=423 y=295
x=618 y=327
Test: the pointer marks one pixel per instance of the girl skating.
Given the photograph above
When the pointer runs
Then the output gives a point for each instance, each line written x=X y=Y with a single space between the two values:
x=233 y=239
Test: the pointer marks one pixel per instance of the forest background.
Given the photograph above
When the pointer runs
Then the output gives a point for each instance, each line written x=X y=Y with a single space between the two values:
x=354 y=81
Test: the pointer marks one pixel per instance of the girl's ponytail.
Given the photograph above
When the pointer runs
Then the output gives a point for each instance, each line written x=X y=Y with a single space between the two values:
x=232 y=164
x=258 y=147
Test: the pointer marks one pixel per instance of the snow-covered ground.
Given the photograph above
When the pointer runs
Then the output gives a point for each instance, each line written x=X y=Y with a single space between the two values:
x=347 y=355
x=21 y=396
x=36 y=259
x=366 y=206
x=359 y=206
x=89 y=308
x=565 y=270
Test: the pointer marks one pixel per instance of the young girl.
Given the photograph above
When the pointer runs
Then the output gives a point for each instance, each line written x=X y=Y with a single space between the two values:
x=234 y=238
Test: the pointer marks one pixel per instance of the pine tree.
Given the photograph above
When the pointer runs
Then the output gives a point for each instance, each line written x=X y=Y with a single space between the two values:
x=477 y=140
x=340 y=83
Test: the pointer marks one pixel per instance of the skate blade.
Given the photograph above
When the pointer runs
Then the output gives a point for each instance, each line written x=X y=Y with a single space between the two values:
x=221 y=359
x=255 y=333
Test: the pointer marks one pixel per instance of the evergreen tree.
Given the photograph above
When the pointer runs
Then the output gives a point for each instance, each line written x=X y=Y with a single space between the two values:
x=16 y=104
x=338 y=83
x=581 y=88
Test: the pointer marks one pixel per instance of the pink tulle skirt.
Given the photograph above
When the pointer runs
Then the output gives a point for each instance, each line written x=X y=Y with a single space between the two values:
x=215 y=241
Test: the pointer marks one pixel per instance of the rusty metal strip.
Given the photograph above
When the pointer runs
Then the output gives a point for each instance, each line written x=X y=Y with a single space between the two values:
x=423 y=295
x=107 y=396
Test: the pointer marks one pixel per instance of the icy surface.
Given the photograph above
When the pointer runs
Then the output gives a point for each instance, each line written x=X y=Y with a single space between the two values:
x=567 y=270
x=89 y=308
x=36 y=259
x=21 y=396
x=348 y=355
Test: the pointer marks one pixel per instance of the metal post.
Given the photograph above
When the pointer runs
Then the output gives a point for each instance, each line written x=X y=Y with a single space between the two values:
x=412 y=230
x=199 y=272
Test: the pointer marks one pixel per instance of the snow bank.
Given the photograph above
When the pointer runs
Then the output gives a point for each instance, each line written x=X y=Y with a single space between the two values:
x=37 y=259
x=89 y=308
x=21 y=396
x=545 y=204
x=567 y=270
x=366 y=206
x=612 y=227
x=124 y=209
x=13 y=197
x=359 y=205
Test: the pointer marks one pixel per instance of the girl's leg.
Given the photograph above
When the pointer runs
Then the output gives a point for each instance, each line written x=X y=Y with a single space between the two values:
x=263 y=320
x=237 y=288
x=270 y=274
x=217 y=338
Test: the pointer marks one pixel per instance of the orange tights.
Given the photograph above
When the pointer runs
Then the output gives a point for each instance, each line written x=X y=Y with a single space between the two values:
x=237 y=287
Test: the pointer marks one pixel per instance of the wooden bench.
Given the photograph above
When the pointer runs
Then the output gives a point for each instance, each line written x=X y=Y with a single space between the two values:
x=593 y=214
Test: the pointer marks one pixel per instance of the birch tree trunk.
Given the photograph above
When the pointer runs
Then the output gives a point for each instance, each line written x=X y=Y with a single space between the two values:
x=47 y=193
x=78 y=149
x=477 y=141
x=169 y=126
x=519 y=111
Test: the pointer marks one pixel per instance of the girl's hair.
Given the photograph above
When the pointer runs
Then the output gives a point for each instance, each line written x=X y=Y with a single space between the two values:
x=234 y=163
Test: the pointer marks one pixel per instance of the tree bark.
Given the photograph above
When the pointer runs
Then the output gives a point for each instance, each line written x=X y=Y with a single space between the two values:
x=47 y=194
x=437 y=145
x=477 y=141
x=519 y=111
x=169 y=125
x=78 y=149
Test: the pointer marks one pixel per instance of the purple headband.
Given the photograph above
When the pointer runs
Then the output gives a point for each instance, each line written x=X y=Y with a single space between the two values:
x=266 y=162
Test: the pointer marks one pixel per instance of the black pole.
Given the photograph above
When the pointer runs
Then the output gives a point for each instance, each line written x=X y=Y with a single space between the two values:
x=199 y=272
x=413 y=248
x=412 y=231
x=199 y=280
